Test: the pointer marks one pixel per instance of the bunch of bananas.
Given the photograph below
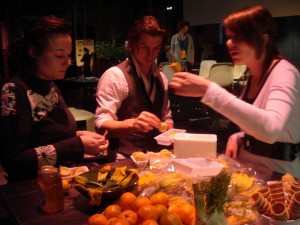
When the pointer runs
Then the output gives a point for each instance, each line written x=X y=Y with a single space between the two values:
x=107 y=180
x=172 y=180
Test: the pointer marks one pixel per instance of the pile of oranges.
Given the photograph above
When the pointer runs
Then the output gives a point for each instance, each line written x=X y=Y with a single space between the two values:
x=155 y=210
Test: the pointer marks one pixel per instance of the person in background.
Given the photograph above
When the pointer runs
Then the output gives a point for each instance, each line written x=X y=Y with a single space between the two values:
x=86 y=59
x=132 y=97
x=182 y=46
x=36 y=127
x=73 y=70
x=269 y=108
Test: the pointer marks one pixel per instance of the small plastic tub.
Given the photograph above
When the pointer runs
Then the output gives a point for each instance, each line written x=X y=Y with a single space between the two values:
x=197 y=167
x=167 y=137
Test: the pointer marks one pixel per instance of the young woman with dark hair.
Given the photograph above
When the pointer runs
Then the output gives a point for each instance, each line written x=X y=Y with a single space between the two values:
x=36 y=127
x=268 y=110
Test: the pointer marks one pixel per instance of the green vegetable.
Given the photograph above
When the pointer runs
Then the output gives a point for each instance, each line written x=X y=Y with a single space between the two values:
x=210 y=197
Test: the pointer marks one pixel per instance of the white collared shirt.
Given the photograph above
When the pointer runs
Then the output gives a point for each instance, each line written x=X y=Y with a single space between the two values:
x=147 y=78
x=112 y=89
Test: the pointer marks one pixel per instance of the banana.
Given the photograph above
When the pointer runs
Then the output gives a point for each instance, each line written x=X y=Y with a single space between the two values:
x=119 y=174
x=102 y=176
x=170 y=183
x=127 y=180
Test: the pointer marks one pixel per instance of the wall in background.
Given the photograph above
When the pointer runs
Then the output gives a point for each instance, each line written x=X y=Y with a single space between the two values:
x=288 y=38
x=213 y=11
x=205 y=18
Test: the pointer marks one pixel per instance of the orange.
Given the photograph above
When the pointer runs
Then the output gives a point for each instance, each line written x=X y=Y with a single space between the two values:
x=160 y=198
x=111 y=219
x=119 y=221
x=170 y=219
x=126 y=199
x=112 y=211
x=174 y=208
x=97 y=219
x=139 y=201
x=147 y=212
x=187 y=213
x=129 y=215
x=163 y=127
x=161 y=209
x=149 y=222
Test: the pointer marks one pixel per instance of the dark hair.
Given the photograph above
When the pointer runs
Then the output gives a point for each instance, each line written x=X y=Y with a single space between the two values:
x=86 y=49
x=145 y=25
x=36 y=34
x=181 y=24
x=250 y=24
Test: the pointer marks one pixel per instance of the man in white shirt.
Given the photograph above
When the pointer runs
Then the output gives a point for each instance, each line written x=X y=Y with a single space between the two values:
x=132 y=97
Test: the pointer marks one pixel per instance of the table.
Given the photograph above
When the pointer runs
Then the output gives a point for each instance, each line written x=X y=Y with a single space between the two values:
x=21 y=200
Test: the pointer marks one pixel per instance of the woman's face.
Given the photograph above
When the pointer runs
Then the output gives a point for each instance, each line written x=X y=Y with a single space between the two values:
x=147 y=50
x=54 y=60
x=185 y=29
x=239 y=50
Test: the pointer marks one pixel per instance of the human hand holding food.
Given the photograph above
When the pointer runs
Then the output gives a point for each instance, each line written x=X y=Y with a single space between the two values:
x=163 y=127
x=93 y=143
x=146 y=122
x=188 y=84
x=176 y=67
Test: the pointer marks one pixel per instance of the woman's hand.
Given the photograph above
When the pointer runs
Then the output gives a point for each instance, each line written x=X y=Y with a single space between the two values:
x=232 y=146
x=93 y=143
x=188 y=84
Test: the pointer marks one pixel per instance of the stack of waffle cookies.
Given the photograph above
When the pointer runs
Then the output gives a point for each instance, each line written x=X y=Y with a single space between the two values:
x=279 y=200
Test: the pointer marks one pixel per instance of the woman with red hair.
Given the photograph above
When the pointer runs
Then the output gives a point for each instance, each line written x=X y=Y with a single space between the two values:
x=268 y=110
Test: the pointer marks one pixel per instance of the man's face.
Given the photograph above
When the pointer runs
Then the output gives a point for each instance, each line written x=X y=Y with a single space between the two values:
x=147 y=49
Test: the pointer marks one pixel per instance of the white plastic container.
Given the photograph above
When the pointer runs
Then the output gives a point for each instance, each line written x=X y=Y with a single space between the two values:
x=167 y=137
x=197 y=167
x=188 y=145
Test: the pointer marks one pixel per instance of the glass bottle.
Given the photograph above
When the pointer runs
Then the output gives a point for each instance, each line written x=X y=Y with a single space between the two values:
x=50 y=183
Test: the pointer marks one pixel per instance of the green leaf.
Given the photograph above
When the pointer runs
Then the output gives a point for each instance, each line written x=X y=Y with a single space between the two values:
x=210 y=196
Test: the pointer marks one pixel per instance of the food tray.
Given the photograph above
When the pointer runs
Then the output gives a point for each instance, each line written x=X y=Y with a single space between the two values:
x=197 y=167
x=152 y=157
x=167 y=137
x=139 y=164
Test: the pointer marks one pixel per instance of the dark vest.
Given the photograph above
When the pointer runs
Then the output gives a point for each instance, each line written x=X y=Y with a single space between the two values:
x=136 y=102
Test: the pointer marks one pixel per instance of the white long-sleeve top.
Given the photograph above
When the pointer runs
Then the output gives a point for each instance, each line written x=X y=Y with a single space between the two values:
x=274 y=115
